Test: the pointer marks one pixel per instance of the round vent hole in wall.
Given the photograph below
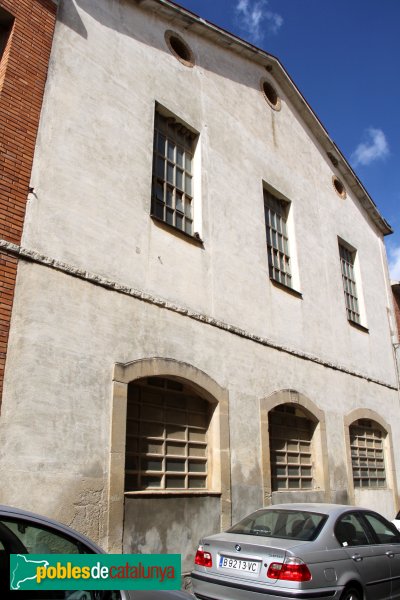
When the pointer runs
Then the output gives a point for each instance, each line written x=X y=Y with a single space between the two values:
x=339 y=187
x=270 y=94
x=179 y=48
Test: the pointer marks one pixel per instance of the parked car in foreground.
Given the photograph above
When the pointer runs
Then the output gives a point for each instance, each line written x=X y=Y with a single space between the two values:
x=396 y=521
x=304 y=551
x=22 y=532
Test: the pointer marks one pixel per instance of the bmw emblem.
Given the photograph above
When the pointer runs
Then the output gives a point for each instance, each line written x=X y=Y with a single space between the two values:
x=238 y=548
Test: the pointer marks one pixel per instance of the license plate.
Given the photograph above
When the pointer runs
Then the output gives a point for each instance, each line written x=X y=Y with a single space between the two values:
x=237 y=564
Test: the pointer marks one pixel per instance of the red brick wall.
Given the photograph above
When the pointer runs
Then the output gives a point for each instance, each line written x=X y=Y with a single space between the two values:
x=23 y=71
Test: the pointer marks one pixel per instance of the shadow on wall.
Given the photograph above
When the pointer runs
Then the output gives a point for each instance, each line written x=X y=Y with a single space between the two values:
x=69 y=16
x=121 y=17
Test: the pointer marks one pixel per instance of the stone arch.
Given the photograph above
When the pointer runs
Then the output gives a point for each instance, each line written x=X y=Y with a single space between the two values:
x=372 y=415
x=320 y=449
x=209 y=389
x=366 y=413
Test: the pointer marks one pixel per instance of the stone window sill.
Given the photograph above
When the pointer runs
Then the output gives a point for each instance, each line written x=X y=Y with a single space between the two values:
x=286 y=288
x=358 y=326
x=194 y=239
x=170 y=493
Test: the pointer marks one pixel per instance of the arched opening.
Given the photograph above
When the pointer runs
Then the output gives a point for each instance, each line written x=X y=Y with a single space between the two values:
x=291 y=434
x=371 y=472
x=167 y=442
x=169 y=473
x=367 y=448
x=294 y=449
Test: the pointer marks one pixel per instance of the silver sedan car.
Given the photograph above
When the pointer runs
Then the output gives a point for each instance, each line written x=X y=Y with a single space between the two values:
x=292 y=551
x=23 y=532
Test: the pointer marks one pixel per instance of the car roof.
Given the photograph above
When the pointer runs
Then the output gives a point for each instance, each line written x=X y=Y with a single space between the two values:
x=10 y=511
x=320 y=507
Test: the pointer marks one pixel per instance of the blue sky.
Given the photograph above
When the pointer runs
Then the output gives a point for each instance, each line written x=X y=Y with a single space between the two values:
x=344 y=57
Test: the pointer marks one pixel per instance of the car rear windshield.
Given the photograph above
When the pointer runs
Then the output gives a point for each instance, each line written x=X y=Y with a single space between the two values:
x=286 y=524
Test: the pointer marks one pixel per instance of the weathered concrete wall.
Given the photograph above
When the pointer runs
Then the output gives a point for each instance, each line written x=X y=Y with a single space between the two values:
x=396 y=303
x=92 y=178
x=169 y=525
x=55 y=426
x=382 y=499
x=119 y=288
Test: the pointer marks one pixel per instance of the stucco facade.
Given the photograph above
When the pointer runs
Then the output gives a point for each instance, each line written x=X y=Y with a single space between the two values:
x=396 y=303
x=107 y=295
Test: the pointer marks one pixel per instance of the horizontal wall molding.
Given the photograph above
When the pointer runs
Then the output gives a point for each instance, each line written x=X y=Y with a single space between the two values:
x=108 y=284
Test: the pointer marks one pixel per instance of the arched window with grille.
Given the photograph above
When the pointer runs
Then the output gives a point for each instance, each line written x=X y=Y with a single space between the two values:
x=291 y=448
x=367 y=446
x=166 y=436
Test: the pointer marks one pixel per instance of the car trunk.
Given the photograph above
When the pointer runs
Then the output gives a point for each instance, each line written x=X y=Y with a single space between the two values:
x=244 y=556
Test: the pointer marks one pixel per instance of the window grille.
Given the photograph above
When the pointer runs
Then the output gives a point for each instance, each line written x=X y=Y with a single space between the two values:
x=276 y=213
x=367 y=454
x=347 y=258
x=290 y=434
x=166 y=442
x=172 y=186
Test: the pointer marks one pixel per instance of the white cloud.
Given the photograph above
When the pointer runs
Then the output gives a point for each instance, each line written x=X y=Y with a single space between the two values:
x=254 y=19
x=375 y=147
x=394 y=262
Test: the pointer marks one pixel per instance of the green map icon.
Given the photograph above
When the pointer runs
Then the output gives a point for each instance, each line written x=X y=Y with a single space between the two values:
x=24 y=570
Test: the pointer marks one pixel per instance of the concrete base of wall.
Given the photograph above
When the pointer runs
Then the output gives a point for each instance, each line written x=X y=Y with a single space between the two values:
x=175 y=524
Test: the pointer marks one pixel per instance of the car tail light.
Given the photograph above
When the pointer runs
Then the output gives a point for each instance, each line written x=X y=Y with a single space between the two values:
x=293 y=569
x=204 y=559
